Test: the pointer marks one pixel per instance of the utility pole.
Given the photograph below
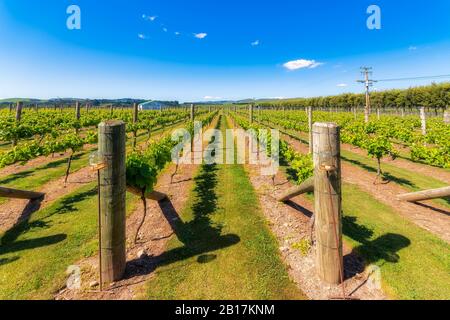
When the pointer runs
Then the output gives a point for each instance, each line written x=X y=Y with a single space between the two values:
x=367 y=72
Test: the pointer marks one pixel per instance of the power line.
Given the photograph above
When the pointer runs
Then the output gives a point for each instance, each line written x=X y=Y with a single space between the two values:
x=367 y=72
x=417 y=78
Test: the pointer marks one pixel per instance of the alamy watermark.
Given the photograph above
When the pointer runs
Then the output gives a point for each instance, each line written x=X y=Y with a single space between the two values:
x=252 y=147
x=374 y=19
x=73 y=21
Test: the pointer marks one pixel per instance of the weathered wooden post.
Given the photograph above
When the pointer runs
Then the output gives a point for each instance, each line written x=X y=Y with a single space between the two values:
x=112 y=184
x=111 y=109
x=192 y=112
x=423 y=119
x=10 y=107
x=19 y=111
x=310 y=126
x=18 y=118
x=447 y=117
x=77 y=115
x=327 y=197
x=251 y=113
x=135 y=121
x=378 y=114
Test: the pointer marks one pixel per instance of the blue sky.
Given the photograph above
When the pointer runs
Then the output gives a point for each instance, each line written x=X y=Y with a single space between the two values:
x=201 y=50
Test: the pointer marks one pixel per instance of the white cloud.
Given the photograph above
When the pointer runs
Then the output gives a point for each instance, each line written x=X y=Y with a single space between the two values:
x=277 y=98
x=302 y=64
x=200 y=35
x=177 y=33
x=165 y=29
x=142 y=36
x=150 y=18
x=255 y=43
x=342 y=85
x=212 y=98
x=412 y=48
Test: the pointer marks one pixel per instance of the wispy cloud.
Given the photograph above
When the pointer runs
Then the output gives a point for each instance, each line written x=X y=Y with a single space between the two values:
x=177 y=33
x=142 y=36
x=255 y=43
x=212 y=98
x=165 y=29
x=302 y=64
x=200 y=35
x=149 y=18
x=412 y=48
x=342 y=85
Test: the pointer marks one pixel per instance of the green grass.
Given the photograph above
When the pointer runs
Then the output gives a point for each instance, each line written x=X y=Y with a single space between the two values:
x=415 y=264
x=34 y=179
x=35 y=255
x=410 y=180
x=223 y=248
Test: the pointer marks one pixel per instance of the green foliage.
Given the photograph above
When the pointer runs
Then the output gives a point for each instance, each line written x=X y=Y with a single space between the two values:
x=304 y=246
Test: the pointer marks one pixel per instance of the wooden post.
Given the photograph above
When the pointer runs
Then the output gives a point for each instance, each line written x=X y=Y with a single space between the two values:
x=111 y=151
x=378 y=114
x=111 y=109
x=447 y=117
x=135 y=120
x=251 y=114
x=20 y=194
x=77 y=114
x=192 y=112
x=423 y=119
x=327 y=197
x=425 y=195
x=306 y=186
x=19 y=111
x=18 y=118
x=135 y=113
x=310 y=126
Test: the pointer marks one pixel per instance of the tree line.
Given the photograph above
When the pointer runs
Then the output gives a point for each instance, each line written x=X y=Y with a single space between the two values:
x=434 y=96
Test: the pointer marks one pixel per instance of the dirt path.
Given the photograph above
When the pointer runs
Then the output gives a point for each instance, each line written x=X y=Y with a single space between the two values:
x=15 y=211
x=155 y=233
x=154 y=236
x=425 y=214
x=37 y=162
x=291 y=224
x=435 y=172
x=41 y=161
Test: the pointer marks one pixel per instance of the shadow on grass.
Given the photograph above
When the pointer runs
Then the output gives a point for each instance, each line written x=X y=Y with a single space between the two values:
x=200 y=236
x=423 y=205
x=386 y=175
x=384 y=248
x=7 y=260
x=25 y=174
x=9 y=241
x=32 y=243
